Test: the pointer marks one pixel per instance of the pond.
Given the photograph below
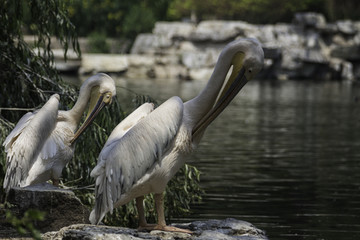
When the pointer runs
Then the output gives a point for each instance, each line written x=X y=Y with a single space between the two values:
x=285 y=156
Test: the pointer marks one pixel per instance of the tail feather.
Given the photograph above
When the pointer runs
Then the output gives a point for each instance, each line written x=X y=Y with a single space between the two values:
x=13 y=178
x=103 y=199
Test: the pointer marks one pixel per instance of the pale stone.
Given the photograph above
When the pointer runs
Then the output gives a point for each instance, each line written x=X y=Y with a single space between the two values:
x=170 y=72
x=200 y=59
x=174 y=29
x=92 y=63
x=137 y=60
x=147 y=43
x=219 y=30
x=201 y=74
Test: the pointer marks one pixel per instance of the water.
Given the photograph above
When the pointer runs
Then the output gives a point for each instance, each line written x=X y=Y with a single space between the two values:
x=284 y=156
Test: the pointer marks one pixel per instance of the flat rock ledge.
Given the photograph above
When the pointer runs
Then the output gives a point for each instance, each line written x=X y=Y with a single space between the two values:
x=62 y=207
x=211 y=229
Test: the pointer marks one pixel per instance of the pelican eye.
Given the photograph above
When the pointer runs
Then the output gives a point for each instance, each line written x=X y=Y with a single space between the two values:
x=107 y=97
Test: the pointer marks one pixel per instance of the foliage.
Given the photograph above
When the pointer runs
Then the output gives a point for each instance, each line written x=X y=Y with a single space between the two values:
x=254 y=11
x=140 y=19
x=5 y=129
x=182 y=190
x=342 y=9
x=25 y=224
x=26 y=74
x=128 y=18
x=97 y=43
x=116 y=18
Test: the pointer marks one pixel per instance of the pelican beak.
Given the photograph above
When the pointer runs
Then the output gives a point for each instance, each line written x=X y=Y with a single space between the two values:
x=102 y=101
x=235 y=83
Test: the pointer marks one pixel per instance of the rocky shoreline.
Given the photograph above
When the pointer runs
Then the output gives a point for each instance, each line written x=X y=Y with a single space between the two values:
x=307 y=48
x=228 y=229
x=67 y=218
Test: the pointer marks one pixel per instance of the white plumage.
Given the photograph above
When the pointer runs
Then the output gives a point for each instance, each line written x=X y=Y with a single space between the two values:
x=40 y=145
x=147 y=148
x=23 y=144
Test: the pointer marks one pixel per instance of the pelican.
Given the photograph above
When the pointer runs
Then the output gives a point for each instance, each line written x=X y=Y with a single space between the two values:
x=146 y=149
x=42 y=142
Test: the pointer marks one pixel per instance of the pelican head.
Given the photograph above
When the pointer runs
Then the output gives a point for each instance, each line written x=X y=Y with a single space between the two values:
x=102 y=90
x=245 y=59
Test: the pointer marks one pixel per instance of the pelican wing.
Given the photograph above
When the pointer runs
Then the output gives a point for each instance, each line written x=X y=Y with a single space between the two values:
x=56 y=140
x=25 y=142
x=23 y=122
x=123 y=161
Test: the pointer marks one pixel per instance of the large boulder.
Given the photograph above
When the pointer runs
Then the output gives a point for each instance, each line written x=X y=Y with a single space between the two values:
x=62 y=207
x=174 y=30
x=220 y=31
x=228 y=229
x=346 y=27
x=309 y=19
x=110 y=63
x=350 y=53
x=148 y=43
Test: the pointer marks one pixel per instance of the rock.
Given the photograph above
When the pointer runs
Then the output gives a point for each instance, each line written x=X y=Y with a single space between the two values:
x=150 y=44
x=288 y=36
x=184 y=50
x=350 y=53
x=309 y=19
x=328 y=28
x=61 y=206
x=170 y=72
x=356 y=69
x=341 y=69
x=138 y=60
x=69 y=66
x=201 y=74
x=219 y=31
x=346 y=27
x=266 y=35
x=272 y=52
x=140 y=66
x=212 y=229
x=110 y=63
x=174 y=30
x=200 y=59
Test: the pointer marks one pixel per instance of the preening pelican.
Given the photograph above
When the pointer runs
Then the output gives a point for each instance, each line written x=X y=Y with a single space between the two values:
x=147 y=148
x=42 y=142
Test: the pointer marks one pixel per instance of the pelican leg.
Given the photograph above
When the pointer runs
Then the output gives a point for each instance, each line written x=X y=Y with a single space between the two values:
x=143 y=225
x=55 y=182
x=159 y=204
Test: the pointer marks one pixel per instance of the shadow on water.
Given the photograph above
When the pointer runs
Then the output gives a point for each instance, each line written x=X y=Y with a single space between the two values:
x=284 y=156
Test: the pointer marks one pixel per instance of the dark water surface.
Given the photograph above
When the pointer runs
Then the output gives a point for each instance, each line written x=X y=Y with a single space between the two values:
x=284 y=156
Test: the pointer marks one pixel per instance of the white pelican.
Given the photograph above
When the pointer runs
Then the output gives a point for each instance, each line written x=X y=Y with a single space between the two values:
x=41 y=143
x=147 y=148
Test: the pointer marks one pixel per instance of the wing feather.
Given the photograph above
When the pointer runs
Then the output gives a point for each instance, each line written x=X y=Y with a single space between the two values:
x=54 y=143
x=23 y=122
x=25 y=142
x=125 y=160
